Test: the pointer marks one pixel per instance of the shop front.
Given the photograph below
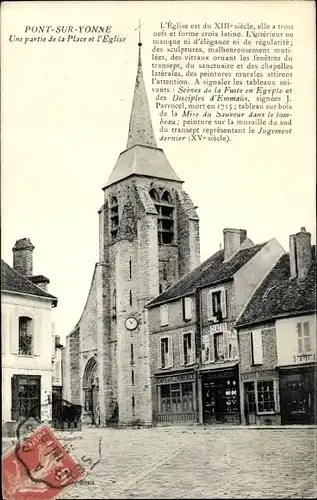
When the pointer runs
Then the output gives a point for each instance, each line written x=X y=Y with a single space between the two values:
x=176 y=398
x=220 y=395
x=260 y=400
x=297 y=395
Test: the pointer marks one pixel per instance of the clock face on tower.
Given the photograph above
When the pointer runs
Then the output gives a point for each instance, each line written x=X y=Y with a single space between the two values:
x=131 y=323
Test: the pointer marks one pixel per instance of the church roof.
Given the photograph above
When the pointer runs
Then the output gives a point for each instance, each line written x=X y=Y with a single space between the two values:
x=142 y=160
x=211 y=272
x=14 y=282
x=142 y=156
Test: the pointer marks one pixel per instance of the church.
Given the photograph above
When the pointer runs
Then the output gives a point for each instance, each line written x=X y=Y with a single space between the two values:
x=148 y=240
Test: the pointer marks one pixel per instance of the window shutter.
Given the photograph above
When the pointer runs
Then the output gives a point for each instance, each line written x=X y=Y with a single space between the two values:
x=14 y=334
x=159 y=354
x=223 y=299
x=188 y=308
x=257 y=347
x=14 y=397
x=211 y=348
x=209 y=305
x=36 y=329
x=170 y=351
x=299 y=337
x=193 y=348
x=181 y=348
x=225 y=345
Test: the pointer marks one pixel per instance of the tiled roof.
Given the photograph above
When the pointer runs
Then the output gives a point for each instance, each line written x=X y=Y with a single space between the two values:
x=142 y=160
x=12 y=281
x=214 y=270
x=279 y=295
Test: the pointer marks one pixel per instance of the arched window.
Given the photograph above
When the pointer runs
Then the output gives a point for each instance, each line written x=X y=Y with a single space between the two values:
x=165 y=221
x=25 y=336
x=154 y=194
x=114 y=217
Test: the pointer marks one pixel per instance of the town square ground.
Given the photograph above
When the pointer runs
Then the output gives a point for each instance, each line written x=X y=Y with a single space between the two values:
x=195 y=462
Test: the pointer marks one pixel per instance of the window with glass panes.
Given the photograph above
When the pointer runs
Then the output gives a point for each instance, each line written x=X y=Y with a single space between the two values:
x=261 y=400
x=25 y=336
x=176 y=398
x=303 y=337
x=26 y=399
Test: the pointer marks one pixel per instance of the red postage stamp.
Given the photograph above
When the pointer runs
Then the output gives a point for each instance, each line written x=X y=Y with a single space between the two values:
x=38 y=467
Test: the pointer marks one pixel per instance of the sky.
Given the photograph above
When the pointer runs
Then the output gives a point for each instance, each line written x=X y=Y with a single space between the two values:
x=65 y=116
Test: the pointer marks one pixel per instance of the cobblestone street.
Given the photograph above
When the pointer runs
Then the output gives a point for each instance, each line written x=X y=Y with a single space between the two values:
x=196 y=462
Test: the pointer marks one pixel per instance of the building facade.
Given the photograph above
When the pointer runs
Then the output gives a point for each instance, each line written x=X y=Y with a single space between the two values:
x=57 y=377
x=193 y=341
x=148 y=239
x=26 y=338
x=277 y=338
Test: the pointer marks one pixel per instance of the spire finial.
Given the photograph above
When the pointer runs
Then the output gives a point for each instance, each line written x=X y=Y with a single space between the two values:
x=140 y=127
x=140 y=43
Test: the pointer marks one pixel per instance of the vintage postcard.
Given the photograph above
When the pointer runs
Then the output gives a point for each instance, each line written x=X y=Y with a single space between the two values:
x=158 y=280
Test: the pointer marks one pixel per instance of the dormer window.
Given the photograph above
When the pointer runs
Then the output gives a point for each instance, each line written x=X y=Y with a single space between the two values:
x=165 y=221
x=114 y=217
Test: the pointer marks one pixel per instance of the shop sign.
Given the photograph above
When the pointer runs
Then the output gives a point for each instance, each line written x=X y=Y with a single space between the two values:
x=171 y=379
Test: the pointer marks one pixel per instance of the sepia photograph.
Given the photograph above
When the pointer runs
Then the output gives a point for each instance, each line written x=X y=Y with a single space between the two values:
x=158 y=260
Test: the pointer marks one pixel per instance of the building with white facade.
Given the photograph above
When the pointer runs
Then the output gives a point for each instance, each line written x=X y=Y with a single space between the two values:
x=26 y=339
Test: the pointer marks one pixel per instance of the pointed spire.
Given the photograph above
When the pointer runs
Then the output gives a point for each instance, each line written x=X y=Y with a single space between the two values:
x=140 y=127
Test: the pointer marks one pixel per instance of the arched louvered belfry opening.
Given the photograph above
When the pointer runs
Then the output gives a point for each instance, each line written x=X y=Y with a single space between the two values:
x=165 y=210
x=114 y=217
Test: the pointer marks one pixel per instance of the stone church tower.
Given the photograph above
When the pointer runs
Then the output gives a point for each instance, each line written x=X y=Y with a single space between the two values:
x=148 y=239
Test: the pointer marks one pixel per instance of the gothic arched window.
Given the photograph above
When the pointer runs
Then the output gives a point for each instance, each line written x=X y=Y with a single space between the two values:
x=114 y=217
x=165 y=220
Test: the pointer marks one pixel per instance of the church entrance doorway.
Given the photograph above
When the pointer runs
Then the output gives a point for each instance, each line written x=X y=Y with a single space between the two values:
x=91 y=392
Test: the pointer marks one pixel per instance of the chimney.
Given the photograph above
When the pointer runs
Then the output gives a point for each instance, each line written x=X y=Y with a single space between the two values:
x=233 y=238
x=300 y=254
x=23 y=256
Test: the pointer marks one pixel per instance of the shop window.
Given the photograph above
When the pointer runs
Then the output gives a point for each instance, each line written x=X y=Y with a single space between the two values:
x=26 y=399
x=114 y=217
x=303 y=337
x=259 y=397
x=187 y=308
x=216 y=305
x=165 y=401
x=164 y=314
x=265 y=396
x=187 y=348
x=25 y=336
x=165 y=220
x=256 y=347
x=176 y=398
x=165 y=355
